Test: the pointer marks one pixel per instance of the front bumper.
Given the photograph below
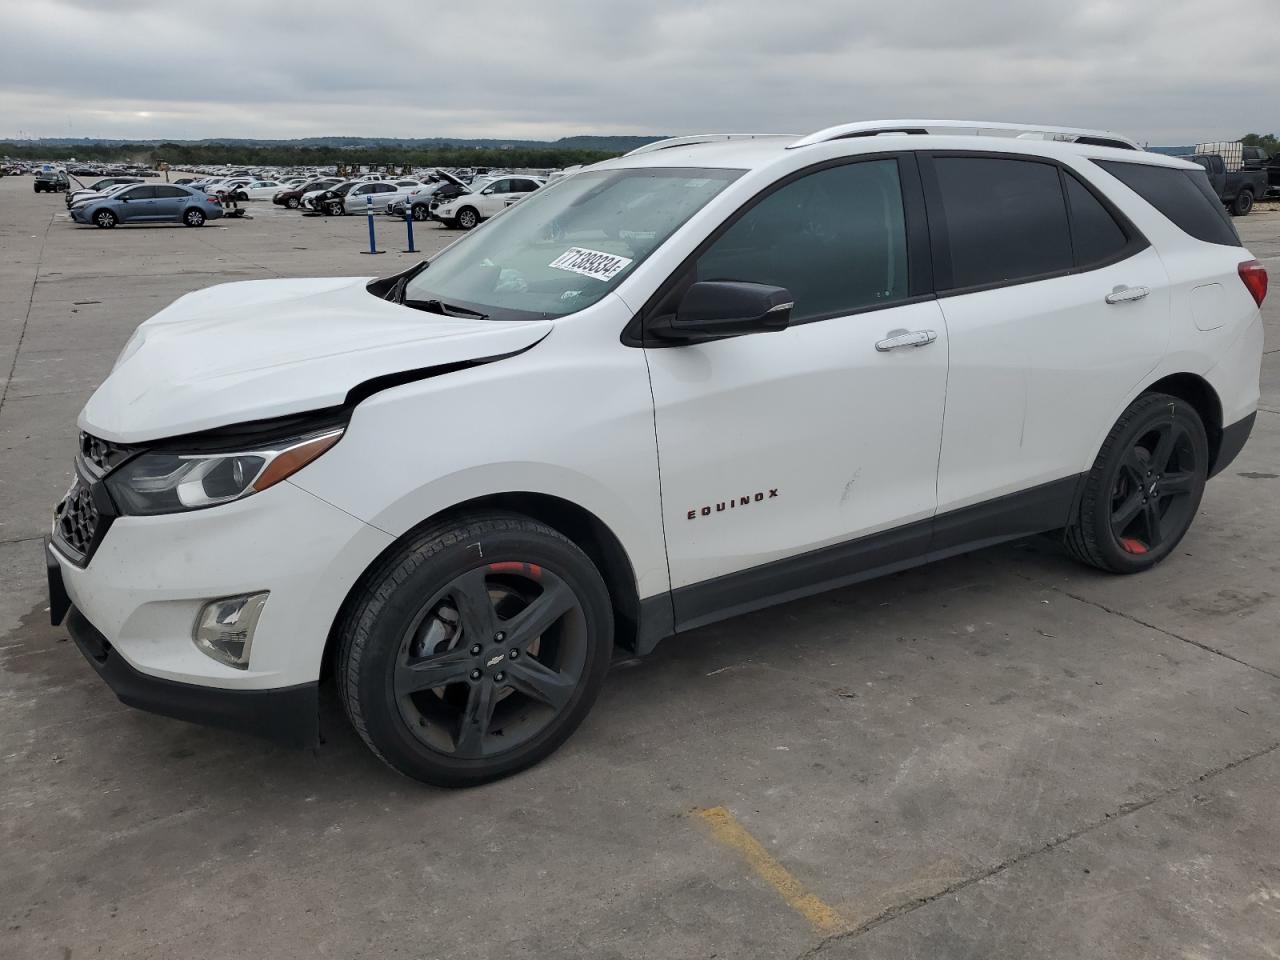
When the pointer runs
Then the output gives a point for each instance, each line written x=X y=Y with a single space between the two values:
x=289 y=715
x=149 y=577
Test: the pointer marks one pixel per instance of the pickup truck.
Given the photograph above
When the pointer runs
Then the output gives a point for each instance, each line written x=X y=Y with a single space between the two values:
x=1236 y=173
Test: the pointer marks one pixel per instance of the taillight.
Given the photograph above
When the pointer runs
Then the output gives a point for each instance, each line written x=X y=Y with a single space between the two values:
x=1254 y=276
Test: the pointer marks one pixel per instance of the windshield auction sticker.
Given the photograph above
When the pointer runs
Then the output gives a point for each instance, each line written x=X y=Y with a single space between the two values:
x=591 y=263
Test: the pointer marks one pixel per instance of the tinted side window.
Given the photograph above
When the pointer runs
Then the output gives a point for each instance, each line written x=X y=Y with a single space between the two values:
x=139 y=193
x=835 y=239
x=170 y=192
x=1095 y=235
x=1005 y=220
x=525 y=186
x=1184 y=196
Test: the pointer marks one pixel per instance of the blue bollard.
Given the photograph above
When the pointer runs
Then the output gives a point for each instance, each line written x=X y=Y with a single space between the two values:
x=408 y=223
x=373 y=246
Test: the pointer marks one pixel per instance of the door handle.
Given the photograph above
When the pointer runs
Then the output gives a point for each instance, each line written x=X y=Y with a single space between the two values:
x=905 y=338
x=1123 y=294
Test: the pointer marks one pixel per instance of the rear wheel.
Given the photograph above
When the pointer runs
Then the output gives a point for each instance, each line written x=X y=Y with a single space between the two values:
x=1243 y=203
x=475 y=649
x=1144 y=488
x=467 y=218
x=193 y=218
x=105 y=219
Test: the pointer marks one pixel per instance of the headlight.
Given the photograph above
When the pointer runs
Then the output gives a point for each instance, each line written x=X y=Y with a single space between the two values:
x=161 y=482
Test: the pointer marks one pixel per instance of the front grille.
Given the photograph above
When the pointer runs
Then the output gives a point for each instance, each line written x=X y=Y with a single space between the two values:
x=102 y=456
x=76 y=522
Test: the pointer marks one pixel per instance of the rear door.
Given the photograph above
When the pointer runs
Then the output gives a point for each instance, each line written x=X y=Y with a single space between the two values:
x=1056 y=309
x=169 y=202
x=779 y=444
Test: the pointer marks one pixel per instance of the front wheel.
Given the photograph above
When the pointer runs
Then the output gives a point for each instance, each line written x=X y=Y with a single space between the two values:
x=1144 y=488
x=335 y=208
x=105 y=219
x=293 y=203
x=475 y=649
x=420 y=212
x=193 y=218
x=467 y=218
x=1243 y=203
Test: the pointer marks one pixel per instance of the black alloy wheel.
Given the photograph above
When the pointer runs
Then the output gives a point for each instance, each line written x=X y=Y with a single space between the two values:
x=1145 y=487
x=475 y=649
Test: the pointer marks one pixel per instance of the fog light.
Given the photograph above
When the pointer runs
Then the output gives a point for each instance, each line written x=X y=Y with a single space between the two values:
x=224 y=628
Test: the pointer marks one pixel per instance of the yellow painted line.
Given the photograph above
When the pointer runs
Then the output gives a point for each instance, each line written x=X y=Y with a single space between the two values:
x=727 y=830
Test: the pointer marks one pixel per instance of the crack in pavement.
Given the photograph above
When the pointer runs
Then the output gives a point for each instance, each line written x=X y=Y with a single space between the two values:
x=22 y=332
x=1124 y=810
x=1168 y=633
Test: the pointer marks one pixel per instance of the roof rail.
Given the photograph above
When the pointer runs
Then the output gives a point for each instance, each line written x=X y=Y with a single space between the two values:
x=698 y=138
x=1023 y=131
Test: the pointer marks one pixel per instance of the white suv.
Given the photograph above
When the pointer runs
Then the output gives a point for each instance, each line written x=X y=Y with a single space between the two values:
x=869 y=348
x=468 y=210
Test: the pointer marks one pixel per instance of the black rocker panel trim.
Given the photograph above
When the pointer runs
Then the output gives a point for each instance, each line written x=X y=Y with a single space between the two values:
x=1045 y=507
x=1232 y=442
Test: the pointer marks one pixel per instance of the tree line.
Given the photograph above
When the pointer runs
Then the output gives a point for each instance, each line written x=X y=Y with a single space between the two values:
x=213 y=154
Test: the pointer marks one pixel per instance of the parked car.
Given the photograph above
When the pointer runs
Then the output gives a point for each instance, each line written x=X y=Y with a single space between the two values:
x=292 y=196
x=233 y=189
x=356 y=199
x=97 y=187
x=149 y=203
x=50 y=179
x=314 y=199
x=469 y=209
x=1236 y=182
x=419 y=201
x=931 y=340
x=86 y=198
x=257 y=190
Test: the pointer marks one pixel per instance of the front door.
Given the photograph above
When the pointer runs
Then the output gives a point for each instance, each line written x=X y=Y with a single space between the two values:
x=139 y=205
x=776 y=445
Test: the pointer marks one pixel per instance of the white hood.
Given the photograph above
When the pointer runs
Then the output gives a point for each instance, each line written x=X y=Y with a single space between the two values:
x=268 y=348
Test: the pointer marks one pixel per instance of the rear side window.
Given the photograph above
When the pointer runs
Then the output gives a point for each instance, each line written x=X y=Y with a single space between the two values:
x=1183 y=196
x=169 y=192
x=1004 y=220
x=1095 y=235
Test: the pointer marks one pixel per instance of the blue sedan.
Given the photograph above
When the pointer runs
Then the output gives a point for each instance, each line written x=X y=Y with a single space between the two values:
x=147 y=203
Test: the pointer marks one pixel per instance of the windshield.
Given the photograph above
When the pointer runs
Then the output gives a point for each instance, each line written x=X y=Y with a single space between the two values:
x=568 y=244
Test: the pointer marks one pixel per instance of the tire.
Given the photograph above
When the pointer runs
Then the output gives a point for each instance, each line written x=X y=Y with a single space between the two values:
x=241 y=196
x=420 y=212
x=105 y=219
x=1134 y=509
x=193 y=218
x=293 y=203
x=468 y=218
x=1242 y=204
x=416 y=600
x=334 y=208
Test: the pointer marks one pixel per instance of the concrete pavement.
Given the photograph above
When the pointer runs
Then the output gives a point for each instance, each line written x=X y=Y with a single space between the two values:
x=1003 y=755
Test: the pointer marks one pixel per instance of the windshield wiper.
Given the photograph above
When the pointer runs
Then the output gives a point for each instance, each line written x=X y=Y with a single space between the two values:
x=445 y=309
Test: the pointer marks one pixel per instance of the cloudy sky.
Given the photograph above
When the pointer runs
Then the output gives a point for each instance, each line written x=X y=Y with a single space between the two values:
x=1163 y=71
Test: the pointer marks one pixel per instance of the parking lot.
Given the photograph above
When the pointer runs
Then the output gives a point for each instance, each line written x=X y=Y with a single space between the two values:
x=1002 y=755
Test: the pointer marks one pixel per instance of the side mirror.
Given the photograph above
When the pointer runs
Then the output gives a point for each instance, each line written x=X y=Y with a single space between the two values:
x=714 y=309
